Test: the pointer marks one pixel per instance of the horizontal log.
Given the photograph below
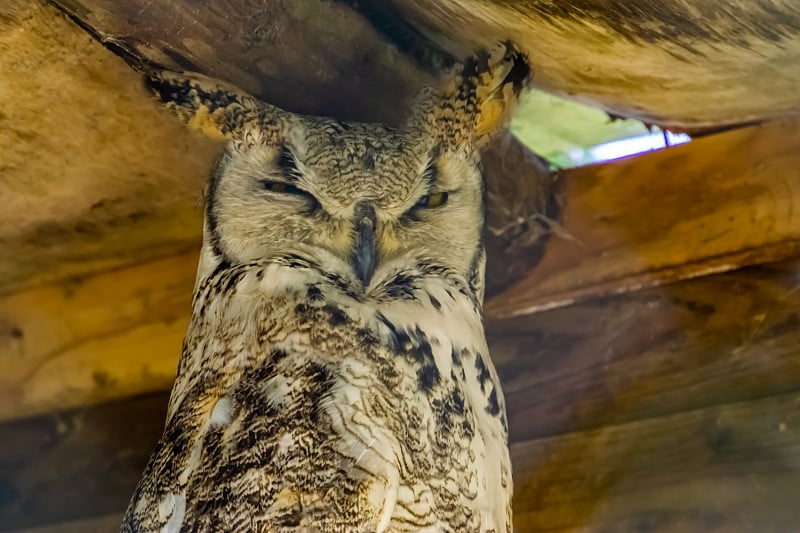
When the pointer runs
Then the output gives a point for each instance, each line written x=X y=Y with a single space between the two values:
x=675 y=63
x=606 y=401
x=638 y=222
x=87 y=341
x=306 y=56
x=77 y=464
x=101 y=524
x=103 y=178
x=702 y=342
x=728 y=468
x=716 y=204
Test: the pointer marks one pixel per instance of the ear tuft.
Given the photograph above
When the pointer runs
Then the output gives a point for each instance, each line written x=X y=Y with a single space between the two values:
x=218 y=110
x=499 y=80
x=478 y=98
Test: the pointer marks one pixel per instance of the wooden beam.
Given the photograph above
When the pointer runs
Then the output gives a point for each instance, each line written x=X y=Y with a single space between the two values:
x=638 y=223
x=666 y=409
x=706 y=470
x=77 y=464
x=713 y=205
x=670 y=63
x=101 y=338
x=726 y=468
x=713 y=469
x=306 y=56
x=99 y=524
x=93 y=175
x=675 y=63
x=703 y=342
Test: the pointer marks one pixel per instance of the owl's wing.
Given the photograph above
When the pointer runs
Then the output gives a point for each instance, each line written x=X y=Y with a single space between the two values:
x=262 y=457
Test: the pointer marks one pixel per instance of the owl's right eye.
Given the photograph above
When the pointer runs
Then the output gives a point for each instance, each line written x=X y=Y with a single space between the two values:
x=287 y=189
x=283 y=188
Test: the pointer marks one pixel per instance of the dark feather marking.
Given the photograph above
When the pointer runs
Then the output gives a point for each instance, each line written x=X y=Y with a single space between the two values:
x=456 y=402
x=493 y=408
x=401 y=286
x=483 y=372
x=455 y=358
x=337 y=316
x=428 y=376
x=420 y=349
x=394 y=342
x=314 y=293
x=211 y=216
x=288 y=164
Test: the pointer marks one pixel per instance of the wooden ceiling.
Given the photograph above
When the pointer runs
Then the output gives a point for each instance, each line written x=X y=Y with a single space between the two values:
x=686 y=65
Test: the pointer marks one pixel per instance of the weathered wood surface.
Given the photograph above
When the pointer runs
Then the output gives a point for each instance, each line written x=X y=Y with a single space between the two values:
x=687 y=346
x=306 y=56
x=101 y=524
x=86 y=341
x=689 y=65
x=77 y=464
x=715 y=204
x=728 y=468
x=675 y=409
x=92 y=174
x=697 y=64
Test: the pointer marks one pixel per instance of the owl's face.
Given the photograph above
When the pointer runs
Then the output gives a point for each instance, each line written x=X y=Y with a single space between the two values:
x=363 y=198
x=367 y=194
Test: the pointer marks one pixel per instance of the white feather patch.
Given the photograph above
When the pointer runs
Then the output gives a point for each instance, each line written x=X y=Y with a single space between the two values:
x=172 y=507
x=221 y=414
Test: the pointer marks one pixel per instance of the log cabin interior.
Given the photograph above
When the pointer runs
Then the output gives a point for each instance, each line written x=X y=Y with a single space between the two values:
x=643 y=312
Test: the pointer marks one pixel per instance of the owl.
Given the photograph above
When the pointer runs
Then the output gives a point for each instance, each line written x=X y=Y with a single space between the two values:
x=335 y=376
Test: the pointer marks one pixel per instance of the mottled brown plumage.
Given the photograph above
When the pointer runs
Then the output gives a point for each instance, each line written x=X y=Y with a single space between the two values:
x=335 y=375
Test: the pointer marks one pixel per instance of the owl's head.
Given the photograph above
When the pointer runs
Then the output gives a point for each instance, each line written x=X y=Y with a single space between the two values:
x=361 y=200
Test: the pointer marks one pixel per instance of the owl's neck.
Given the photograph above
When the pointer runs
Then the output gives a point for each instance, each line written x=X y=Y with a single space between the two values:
x=401 y=280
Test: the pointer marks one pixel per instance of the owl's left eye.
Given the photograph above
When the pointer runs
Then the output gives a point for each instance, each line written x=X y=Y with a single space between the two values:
x=432 y=200
x=283 y=188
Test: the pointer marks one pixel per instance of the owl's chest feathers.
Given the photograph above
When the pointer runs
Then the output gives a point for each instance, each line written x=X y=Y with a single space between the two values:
x=242 y=315
x=399 y=388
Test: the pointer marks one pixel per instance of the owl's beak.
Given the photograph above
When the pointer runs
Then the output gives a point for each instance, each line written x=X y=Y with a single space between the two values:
x=365 y=253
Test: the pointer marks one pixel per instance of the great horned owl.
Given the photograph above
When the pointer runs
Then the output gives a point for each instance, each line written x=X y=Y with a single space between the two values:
x=335 y=376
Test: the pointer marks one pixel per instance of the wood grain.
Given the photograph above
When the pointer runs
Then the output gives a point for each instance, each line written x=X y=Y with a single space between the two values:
x=93 y=175
x=87 y=341
x=703 y=342
x=725 y=468
x=101 y=524
x=77 y=464
x=106 y=179
x=306 y=56
x=686 y=66
x=728 y=468
x=715 y=204
x=665 y=226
